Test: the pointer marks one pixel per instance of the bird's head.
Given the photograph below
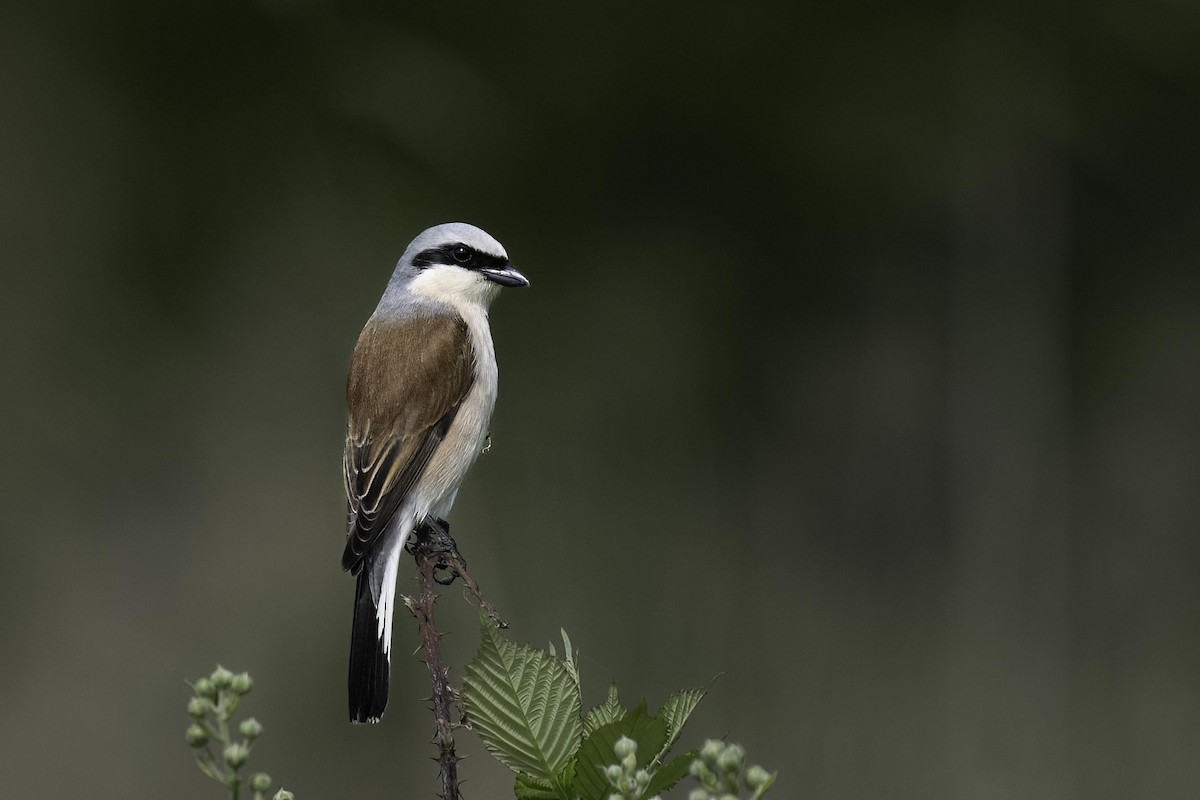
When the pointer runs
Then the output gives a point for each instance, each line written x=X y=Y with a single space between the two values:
x=456 y=263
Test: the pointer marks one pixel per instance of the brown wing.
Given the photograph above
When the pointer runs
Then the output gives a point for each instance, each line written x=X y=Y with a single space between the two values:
x=407 y=381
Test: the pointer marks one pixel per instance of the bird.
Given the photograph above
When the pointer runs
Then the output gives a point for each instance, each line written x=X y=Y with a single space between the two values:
x=420 y=393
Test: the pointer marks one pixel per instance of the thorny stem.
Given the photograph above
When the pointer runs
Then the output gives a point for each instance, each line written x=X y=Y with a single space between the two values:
x=443 y=698
x=434 y=549
x=455 y=562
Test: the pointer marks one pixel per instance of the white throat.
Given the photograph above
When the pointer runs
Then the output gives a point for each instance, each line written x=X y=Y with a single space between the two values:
x=460 y=288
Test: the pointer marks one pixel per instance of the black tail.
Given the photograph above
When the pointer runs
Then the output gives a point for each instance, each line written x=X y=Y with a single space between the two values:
x=368 y=661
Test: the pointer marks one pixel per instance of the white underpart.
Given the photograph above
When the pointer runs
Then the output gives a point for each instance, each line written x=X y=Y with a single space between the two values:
x=465 y=290
x=469 y=293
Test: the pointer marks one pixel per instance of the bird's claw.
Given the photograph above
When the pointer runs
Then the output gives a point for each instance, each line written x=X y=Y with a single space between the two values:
x=445 y=579
x=433 y=537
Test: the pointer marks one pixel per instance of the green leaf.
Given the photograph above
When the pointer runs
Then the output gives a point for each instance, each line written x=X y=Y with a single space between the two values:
x=570 y=659
x=525 y=707
x=670 y=773
x=529 y=788
x=608 y=711
x=674 y=712
x=597 y=751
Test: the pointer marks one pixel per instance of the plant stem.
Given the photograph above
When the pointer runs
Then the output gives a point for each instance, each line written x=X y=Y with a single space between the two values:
x=442 y=697
x=223 y=715
x=433 y=549
x=456 y=563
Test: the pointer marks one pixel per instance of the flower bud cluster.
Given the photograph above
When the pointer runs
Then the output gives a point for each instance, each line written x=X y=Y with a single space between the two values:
x=627 y=781
x=211 y=709
x=196 y=735
x=721 y=770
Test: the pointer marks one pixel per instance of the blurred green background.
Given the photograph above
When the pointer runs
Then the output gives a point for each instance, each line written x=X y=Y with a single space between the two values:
x=861 y=364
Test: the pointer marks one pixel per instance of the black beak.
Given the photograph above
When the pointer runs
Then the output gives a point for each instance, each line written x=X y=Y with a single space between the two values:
x=505 y=277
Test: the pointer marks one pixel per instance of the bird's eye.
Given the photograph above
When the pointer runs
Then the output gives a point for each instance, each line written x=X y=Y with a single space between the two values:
x=461 y=254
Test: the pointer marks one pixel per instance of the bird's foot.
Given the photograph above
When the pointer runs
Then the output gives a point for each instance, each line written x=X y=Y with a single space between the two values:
x=433 y=537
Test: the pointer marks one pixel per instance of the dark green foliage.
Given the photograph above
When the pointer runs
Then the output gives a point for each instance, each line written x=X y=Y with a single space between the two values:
x=525 y=706
x=596 y=754
x=524 y=703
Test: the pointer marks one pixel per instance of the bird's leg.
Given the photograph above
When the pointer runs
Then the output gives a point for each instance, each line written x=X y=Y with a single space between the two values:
x=431 y=542
x=446 y=571
x=438 y=532
x=433 y=536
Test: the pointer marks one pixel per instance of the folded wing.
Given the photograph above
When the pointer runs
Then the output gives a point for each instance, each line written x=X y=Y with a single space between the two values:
x=407 y=381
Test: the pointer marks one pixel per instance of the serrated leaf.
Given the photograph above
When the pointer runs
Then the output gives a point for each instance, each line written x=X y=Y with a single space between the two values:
x=529 y=788
x=597 y=751
x=608 y=711
x=525 y=707
x=570 y=658
x=674 y=712
x=670 y=773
